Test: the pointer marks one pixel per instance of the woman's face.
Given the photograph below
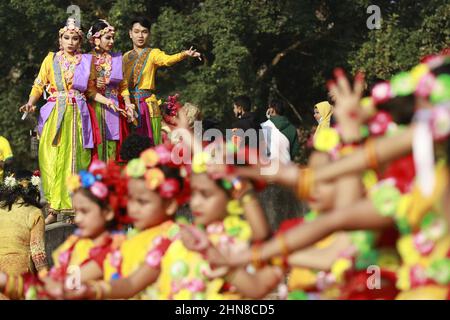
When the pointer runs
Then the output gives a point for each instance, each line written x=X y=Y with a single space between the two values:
x=208 y=201
x=317 y=115
x=139 y=35
x=106 y=41
x=90 y=218
x=146 y=208
x=70 y=41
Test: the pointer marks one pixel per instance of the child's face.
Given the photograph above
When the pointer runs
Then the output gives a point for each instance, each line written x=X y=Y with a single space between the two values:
x=208 y=201
x=90 y=218
x=145 y=208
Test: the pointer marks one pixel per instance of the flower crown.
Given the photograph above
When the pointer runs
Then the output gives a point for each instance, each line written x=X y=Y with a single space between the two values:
x=419 y=81
x=11 y=183
x=170 y=108
x=71 y=26
x=105 y=182
x=148 y=166
x=109 y=28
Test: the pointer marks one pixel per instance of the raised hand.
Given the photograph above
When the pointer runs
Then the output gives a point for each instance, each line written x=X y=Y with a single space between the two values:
x=347 y=109
x=193 y=53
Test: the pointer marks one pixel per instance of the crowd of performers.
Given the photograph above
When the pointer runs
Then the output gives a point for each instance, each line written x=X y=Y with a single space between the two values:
x=377 y=184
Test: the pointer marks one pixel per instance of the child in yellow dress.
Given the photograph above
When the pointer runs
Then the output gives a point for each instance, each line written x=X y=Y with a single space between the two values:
x=97 y=203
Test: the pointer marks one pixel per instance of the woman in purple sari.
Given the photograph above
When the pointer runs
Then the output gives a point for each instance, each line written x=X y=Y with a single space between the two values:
x=65 y=124
x=109 y=81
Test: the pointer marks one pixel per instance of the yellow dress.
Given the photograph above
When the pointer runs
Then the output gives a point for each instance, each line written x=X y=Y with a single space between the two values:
x=5 y=153
x=185 y=274
x=132 y=254
x=425 y=243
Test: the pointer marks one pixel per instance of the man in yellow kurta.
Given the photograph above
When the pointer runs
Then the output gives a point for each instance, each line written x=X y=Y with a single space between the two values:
x=140 y=66
x=6 y=154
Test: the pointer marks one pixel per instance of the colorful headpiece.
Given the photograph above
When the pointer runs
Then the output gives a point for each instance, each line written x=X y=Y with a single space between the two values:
x=71 y=26
x=11 y=183
x=149 y=166
x=109 y=28
x=105 y=182
x=170 y=109
x=420 y=81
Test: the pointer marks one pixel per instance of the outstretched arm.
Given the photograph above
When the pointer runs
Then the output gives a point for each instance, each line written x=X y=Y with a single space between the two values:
x=361 y=215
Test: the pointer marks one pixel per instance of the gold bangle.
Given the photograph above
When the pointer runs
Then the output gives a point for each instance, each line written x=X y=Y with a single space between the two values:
x=305 y=183
x=283 y=244
x=371 y=154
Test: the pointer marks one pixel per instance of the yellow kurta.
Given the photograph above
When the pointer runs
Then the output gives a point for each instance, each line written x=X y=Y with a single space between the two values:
x=79 y=254
x=132 y=253
x=22 y=240
x=156 y=59
x=139 y=71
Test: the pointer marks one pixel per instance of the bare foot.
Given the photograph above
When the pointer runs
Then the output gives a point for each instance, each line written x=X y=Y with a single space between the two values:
x=52 y=216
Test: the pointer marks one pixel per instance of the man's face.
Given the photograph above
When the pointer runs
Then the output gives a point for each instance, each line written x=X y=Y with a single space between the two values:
x=270 y=112
x=139 y=35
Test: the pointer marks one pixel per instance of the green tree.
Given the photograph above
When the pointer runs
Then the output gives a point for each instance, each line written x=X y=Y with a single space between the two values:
x=263 y=48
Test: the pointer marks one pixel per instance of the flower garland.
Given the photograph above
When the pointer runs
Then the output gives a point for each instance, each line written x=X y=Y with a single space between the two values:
x=104 y=181
x=68 y=65
x=148 y=166
x=11 y=183
x=419 y=81
x=103 y=65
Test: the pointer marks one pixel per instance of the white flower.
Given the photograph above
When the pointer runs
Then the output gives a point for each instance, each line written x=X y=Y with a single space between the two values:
x=35 y=181
x=10 y=182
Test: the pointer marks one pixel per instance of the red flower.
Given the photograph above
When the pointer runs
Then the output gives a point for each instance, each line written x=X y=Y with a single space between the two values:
x=403 y=171
x=169 y=188
x=379 y=123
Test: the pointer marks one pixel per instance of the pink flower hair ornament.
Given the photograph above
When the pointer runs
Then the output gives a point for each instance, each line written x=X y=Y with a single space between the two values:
x=151 y=167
